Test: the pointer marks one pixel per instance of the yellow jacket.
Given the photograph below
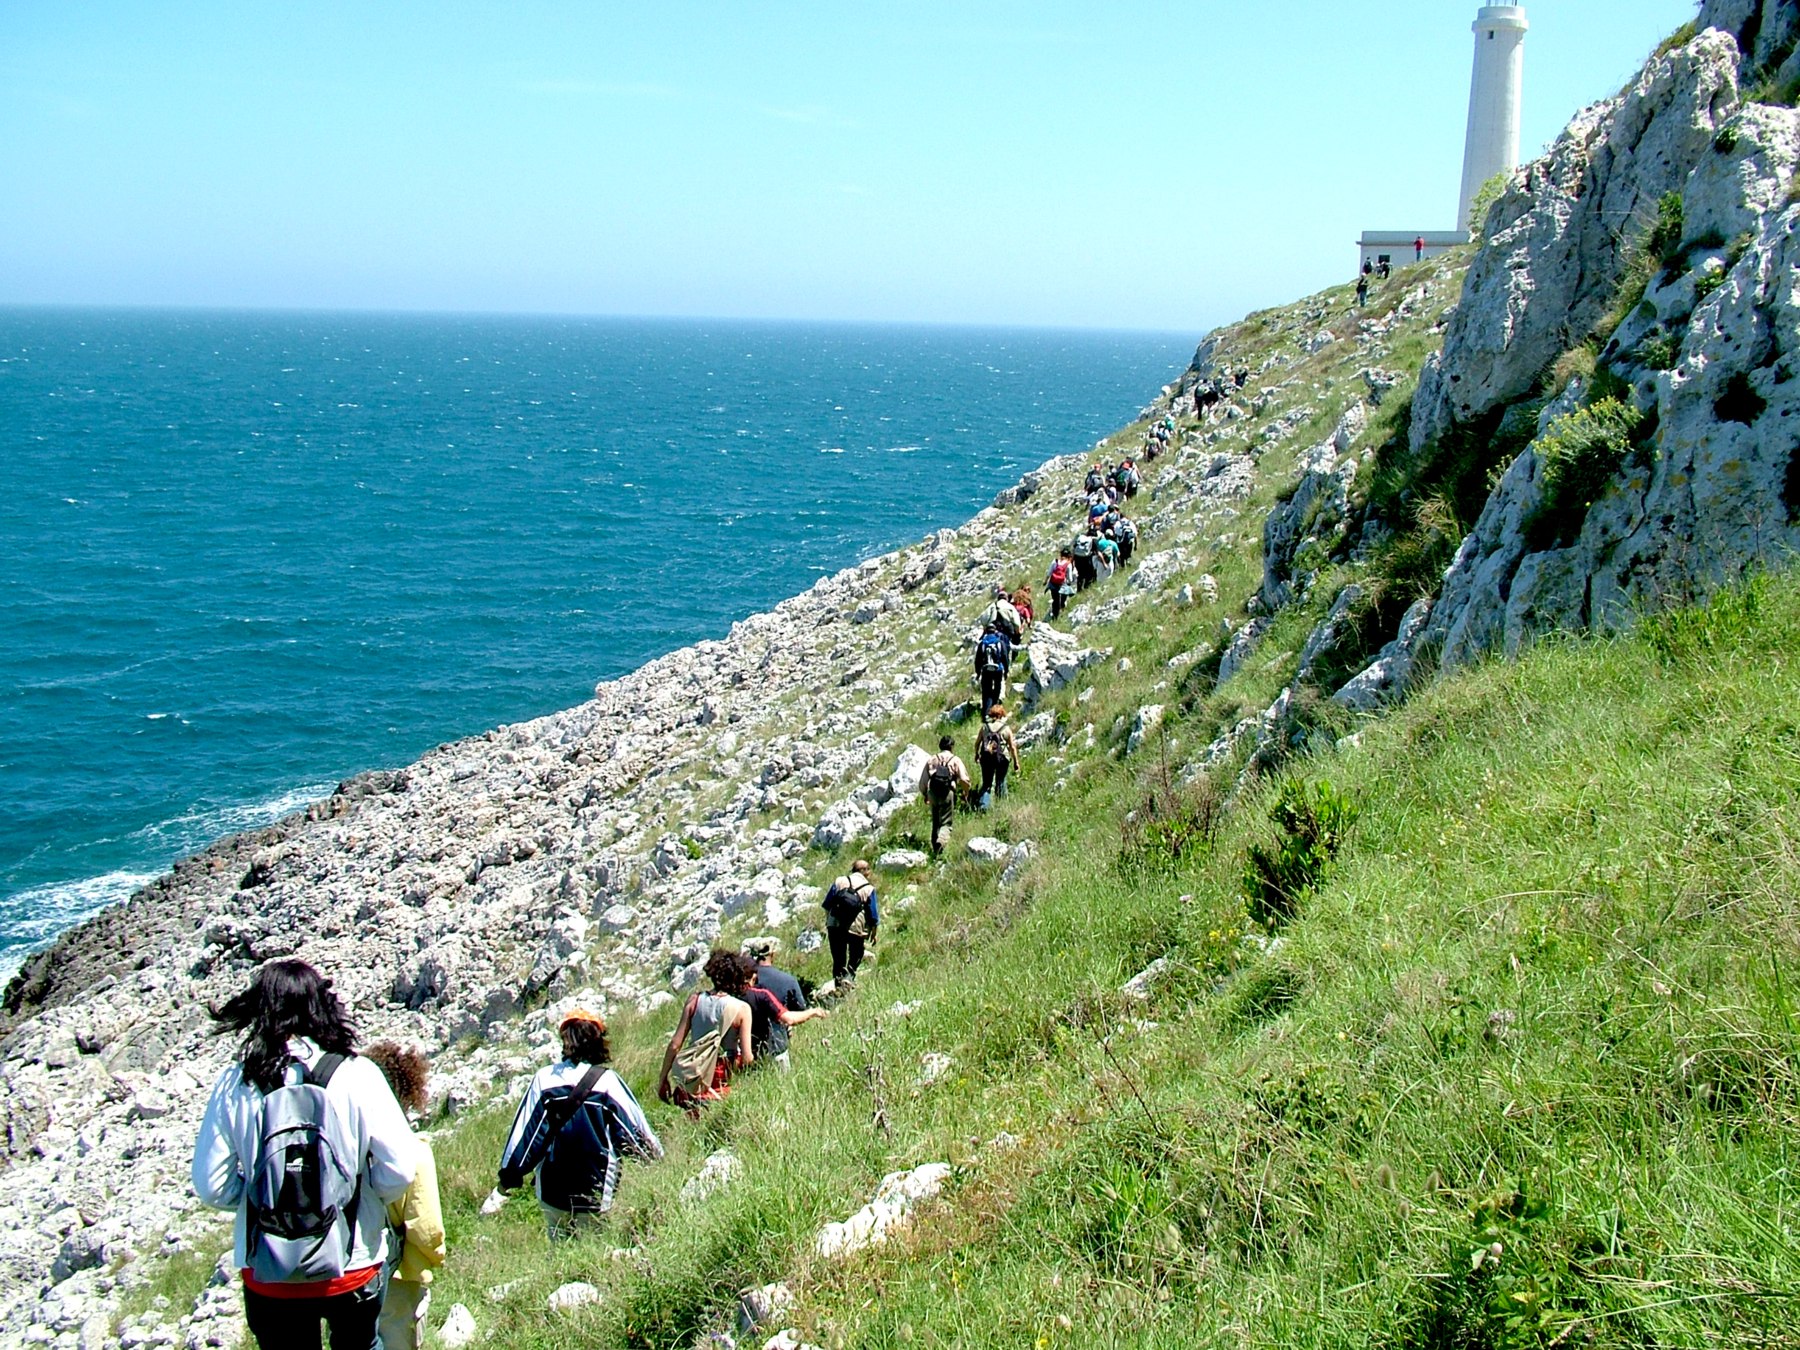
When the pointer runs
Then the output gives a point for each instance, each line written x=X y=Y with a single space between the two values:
x=417 y=1215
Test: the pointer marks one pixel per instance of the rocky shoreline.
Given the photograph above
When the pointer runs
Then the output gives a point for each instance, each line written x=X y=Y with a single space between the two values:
x=598 y=850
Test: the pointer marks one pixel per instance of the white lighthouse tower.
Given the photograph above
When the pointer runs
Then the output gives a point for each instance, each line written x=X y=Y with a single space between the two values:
x=1492 y=146
x=1494 y=97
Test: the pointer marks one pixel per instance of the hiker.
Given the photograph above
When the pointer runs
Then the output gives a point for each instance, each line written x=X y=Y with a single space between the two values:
x=1081 y=553
x=1241 y=378
x=1368 y=268
x=783 y=987
x=1419 y=249
x=714 y=1038
x=1362 y=291
x=770 y=1017
x=1384 y=269
x=993 y=659
x=416 y=1218
x=852 y=917
x=1003 y=616
x=942 y=775
x=577 y=1120
x=1127 y=479
x=1022 y=602
x=996 y=752
x=297 y=1076
x=1060 y=582
x=1096 y=479
x=1106 y=556
x=1126 y=534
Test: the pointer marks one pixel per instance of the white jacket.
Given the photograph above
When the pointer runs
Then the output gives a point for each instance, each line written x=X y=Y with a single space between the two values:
x=229 y=1135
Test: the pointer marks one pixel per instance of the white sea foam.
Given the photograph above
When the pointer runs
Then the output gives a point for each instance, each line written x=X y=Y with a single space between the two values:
x=34 y=916
x=44 y=911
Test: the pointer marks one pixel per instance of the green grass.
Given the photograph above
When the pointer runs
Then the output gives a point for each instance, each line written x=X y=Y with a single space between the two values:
x=1534 y=990
x=1543 y=997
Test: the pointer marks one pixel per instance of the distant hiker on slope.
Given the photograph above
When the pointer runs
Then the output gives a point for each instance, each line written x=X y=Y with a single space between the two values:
x=996 y=752
x=770 y=1040
x=1060 y=582
x=770 y=1019
x=1003 y=615
x=1022 y=602
x=993 y=660
x=852 y=918
x=416 y=1217
x=577 y=1121
x=297 y=1132
x=944 y=774
x=1082 y=552
x=714 y=1038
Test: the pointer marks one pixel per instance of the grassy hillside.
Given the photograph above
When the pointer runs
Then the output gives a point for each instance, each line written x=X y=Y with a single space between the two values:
x=1518 y=1071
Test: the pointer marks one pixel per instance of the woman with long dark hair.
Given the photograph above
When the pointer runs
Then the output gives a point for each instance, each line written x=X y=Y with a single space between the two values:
x=305 y=1141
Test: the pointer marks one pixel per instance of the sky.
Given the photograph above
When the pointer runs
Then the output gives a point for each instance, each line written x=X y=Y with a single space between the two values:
x=1069 y=163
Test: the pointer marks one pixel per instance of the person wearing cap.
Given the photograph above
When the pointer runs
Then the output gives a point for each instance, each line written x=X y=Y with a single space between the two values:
x=577 y=1121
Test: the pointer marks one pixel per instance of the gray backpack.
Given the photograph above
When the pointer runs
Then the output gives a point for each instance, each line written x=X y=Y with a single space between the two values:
x=302 y=1195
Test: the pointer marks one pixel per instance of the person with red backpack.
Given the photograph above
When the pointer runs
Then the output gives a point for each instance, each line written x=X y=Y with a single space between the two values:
x=303 y=1138
x=1060 y=582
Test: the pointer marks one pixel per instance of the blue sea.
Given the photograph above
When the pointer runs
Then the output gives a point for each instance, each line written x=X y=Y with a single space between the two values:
x=247 y=555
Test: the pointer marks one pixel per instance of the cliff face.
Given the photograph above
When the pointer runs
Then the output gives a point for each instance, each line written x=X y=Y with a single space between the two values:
x=1660 y=234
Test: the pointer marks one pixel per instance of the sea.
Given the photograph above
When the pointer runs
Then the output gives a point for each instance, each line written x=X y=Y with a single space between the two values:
x=246 y=555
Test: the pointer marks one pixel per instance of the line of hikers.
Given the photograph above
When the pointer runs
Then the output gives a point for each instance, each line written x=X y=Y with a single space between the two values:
x=338 y=1222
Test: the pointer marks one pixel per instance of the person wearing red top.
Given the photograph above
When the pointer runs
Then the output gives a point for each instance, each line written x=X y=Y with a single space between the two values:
x=295 y=1033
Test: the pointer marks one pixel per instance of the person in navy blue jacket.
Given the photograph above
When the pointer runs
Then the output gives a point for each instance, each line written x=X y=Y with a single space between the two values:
x=577 y=1121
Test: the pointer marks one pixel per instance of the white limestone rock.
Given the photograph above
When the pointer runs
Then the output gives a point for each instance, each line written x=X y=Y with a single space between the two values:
x=899 y=1194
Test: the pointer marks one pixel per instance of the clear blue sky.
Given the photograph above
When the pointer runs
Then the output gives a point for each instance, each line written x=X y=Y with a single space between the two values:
x=1069 y=162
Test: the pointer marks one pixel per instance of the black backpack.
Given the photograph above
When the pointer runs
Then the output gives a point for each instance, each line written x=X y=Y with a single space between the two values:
x=571 y=1169
x=941 y=782
x=842 y=903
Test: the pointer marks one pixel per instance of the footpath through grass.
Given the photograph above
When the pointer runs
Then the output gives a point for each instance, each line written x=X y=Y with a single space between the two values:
x=1519 y=1070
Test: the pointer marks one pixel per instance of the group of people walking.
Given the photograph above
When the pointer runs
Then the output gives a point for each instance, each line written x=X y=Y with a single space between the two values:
x=338 y=1223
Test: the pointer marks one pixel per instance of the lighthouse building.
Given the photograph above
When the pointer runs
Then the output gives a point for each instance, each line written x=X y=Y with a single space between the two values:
x=1491 y=146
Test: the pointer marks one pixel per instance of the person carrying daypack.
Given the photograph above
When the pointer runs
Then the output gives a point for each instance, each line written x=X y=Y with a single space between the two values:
x=303 y=1138
x=1004 y=616
x=715 y=1036
x=939 y=782
x=416 y=1218
x=1096 y=480
x=1126 y=535
x=1082 y=554
x=1060 y=582
x=852 y=918
x=777 y=1002
x=1026 y=607
x=577 y=1120
x=993 y=660
x=996 y=752
x=1106 y=556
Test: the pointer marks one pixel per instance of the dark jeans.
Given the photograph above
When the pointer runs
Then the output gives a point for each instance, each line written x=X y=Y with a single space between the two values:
x=991 y=685
x=943 y=816
x=993 y=774
x=293 y=1323
x=1084 y=573
x=1057 y=601
x=846 y=953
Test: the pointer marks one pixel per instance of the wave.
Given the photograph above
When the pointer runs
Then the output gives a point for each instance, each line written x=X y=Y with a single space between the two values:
x=31 y=918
